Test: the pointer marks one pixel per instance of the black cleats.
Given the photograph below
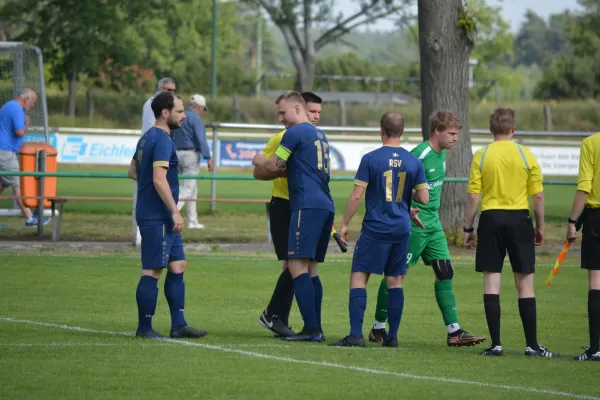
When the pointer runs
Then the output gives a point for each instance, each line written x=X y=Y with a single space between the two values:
x=149 y=335
x=305 y=336
x=588 y=356
x=391 y=342
x=274 y=324
x=492 y=351
x=187 y=332
x=349 y=341
x=542 y=351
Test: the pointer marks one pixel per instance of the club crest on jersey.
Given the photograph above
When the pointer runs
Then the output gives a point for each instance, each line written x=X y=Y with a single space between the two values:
x=320 y=135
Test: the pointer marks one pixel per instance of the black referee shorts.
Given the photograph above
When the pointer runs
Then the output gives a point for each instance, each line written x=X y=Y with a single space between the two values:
x=590 y=241
x=279 y=219
x=500 y=231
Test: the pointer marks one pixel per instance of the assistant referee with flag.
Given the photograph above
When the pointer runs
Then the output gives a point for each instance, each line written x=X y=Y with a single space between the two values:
x=507 y=174
x=587 y=198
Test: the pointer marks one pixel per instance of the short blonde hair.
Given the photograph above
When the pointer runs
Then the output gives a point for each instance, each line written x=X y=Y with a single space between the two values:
x=291 y=96
x=442 y=120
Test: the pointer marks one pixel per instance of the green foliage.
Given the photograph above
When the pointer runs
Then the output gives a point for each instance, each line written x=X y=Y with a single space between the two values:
x=495 y=42
x=466 y=21
x=576 y=75
x=538 y=42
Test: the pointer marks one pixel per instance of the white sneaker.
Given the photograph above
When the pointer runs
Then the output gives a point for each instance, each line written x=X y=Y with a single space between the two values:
x=195 y=225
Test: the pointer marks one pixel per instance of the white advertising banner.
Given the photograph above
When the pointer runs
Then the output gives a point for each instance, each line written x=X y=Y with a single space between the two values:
x=119 y=149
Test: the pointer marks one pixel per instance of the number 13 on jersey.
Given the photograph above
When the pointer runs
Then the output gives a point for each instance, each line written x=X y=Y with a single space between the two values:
x=322 y=155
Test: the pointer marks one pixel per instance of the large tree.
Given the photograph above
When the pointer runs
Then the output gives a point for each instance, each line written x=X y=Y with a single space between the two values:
x=309 y=25
x=447 y=35
x=75 y=36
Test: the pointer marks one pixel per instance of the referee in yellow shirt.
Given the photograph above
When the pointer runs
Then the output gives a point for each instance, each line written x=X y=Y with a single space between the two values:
x=507 y=173
x=275 y=316
x=587 y=203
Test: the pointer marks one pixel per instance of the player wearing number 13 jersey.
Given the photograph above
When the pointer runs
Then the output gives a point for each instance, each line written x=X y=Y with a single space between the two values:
x=429 y=243
x=304 y=154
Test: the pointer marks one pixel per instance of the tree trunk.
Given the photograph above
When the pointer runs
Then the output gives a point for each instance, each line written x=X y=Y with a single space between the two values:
x=444 y=51
x=72 y=93
x=305 y=76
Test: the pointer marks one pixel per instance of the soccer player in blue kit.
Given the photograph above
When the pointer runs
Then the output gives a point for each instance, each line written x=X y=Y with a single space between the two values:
x=391 y=177
x=304 y=154
x=154 y=167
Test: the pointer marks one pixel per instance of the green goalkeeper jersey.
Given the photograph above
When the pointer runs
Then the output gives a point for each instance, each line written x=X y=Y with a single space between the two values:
x=435 y=171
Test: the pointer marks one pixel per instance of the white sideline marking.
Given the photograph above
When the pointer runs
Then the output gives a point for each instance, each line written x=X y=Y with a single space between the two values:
x=79 y=344
x=318 y=363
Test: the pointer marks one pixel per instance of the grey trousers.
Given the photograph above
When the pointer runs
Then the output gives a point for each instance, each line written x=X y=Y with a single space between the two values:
x=189 y=164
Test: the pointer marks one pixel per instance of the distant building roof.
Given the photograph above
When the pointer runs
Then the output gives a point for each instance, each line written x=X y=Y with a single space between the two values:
x=355 y=97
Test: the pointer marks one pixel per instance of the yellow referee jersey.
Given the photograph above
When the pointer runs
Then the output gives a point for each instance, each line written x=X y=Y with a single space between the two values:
x=589 y=169
x=507 y=173
x=280 y=185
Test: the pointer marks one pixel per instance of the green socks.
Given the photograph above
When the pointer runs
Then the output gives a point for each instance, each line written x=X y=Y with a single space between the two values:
x=444 y=296
x=446 y=302
x=381 y=312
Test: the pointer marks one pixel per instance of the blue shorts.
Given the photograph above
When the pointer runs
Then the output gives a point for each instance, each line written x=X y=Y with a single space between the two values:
x=160 y=245
x=373 y=257
x=310 y=230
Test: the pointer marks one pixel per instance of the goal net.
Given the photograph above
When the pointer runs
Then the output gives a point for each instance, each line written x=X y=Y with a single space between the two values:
x=21 y=66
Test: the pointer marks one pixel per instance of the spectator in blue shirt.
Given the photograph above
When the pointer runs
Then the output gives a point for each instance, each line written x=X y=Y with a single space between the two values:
x=190 y=142
x=14 y=123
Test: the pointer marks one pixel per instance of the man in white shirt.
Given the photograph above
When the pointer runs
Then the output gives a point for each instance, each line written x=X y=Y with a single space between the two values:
x=164 y=85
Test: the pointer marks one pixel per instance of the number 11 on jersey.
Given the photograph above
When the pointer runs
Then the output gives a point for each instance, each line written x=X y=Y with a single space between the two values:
x=389 y=185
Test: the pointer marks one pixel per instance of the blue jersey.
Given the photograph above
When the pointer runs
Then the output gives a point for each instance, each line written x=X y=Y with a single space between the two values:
x=389 y=175
x=154 y=149
x=12 y=118
x=306 y=150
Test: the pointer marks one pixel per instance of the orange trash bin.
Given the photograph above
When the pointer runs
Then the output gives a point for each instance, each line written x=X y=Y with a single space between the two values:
x=28 y=162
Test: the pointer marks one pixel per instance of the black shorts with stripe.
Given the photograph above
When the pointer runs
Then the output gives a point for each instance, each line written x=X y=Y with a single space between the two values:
x=279 y=221
x=502 y=231
x=590 y=240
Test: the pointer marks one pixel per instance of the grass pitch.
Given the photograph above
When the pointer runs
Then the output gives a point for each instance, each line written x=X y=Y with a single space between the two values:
x=67 y=320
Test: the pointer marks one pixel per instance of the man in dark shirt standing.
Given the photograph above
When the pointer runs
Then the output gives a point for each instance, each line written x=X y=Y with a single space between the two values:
x=190 y=142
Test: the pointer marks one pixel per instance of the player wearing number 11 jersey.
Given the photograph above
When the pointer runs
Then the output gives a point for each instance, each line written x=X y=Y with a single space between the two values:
x=429 y=243
x=388 y=176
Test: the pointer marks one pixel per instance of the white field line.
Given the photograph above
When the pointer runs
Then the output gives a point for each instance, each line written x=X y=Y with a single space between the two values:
x=81 y=344
x=253 y=354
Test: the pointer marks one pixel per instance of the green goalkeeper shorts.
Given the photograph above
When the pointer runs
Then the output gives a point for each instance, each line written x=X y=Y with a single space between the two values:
x=428 y=246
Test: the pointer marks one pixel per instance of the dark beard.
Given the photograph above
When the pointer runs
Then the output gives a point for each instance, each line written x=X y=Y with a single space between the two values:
x=172 y=124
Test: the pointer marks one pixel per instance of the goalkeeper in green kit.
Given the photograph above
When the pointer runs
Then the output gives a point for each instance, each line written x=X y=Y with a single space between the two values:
x=430 y=243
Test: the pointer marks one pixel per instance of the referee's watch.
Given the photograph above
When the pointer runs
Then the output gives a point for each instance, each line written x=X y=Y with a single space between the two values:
x=572 y=221
x=468 y=230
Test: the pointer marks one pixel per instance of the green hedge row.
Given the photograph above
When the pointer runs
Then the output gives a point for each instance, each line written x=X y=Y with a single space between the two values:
x=124 y=111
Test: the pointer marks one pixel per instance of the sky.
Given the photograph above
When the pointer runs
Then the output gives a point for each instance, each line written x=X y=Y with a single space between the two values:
x=513 y=11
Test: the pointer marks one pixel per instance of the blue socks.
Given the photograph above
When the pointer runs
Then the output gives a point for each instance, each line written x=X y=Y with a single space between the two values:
x=395 y=307
x=146 y=297
x=356 y=308
x=305 y=296
x=318 y=287
x=175 y=294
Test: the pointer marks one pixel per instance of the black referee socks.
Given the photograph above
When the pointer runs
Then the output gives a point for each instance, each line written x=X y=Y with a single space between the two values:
x=528 y=313
x=491 y=303
x=594 y=320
